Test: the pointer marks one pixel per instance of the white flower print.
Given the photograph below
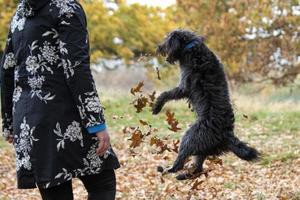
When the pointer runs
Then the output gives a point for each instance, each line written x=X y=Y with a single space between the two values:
x=92 y=158
x=62 y=48
x=55 y=35
x=32 y=64
x=52 y=32
x=92 y=165
x=49 y=53
x=66 y=7
x=72 y=133
x=23 y=145
x=16 y=74
x=68 y=67
x=18 y=20
x=90 y=105
x=7 y=126
x=36 y=84
x=17 y=94
x=9 y=61
x=67 y=176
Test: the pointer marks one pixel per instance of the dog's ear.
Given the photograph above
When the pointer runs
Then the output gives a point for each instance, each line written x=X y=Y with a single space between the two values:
x=174 y=45
x=173 y=48
x=160 y=50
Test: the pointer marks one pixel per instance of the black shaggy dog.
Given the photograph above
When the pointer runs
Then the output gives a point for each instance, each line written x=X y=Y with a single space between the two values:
x=203 y=83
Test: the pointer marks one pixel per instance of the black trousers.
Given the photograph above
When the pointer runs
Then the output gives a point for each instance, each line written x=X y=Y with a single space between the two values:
x=99 y=187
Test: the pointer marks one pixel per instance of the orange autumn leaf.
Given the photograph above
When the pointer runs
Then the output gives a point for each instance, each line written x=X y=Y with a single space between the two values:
x=136 y=138
x=172 y=121
x=157 y=73
x=140 y=103
x=137 y=88
x=160 y=144
x=152 y=98
x=196 y=184
x=144 y=123
x=175 y=146
x=215 y=160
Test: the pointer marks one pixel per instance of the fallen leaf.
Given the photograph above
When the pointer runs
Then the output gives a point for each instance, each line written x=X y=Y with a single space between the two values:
x=196 y=184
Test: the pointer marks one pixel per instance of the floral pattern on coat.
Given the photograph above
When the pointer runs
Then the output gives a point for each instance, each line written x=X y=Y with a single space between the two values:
x=72 y=134
x=48 y=95
x=23 y=144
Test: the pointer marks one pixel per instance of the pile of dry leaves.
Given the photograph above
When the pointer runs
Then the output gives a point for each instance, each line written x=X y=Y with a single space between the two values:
x=141 y=151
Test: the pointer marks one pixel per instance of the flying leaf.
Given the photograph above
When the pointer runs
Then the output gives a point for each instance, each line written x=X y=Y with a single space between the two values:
x=152 y=98
x=137 y=88
x=160 y=144
x=144 y=123
x=157 y=73
x=136 y=138
x=140 y=103
x=175 y=146
x=172 y=121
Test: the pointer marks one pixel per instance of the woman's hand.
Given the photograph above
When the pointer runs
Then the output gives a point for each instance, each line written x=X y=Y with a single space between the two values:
x=104 y=142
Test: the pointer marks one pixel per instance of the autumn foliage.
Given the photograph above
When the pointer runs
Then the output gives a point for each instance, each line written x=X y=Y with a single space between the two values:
x=256 y=40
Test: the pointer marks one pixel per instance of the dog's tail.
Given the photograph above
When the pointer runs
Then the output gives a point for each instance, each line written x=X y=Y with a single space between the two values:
x=242 y=150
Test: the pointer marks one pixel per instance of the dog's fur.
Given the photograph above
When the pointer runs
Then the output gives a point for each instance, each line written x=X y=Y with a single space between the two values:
x=203 y=83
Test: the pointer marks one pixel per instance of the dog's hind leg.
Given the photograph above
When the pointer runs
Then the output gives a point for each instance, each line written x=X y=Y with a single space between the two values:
x=186 y=149
x=199 y=160
x=198 y=164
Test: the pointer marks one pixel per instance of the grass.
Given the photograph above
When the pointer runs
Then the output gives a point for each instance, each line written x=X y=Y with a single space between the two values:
x=270 y=125
x=262 y=125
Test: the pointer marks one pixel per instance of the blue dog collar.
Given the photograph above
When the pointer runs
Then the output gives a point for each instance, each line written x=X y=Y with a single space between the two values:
x=191 y=44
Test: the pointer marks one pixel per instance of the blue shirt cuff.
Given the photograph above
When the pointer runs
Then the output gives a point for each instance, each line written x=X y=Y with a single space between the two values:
x=97 y=128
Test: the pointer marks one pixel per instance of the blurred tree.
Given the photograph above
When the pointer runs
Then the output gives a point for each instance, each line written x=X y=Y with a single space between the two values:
x=142 y=28
x=257 y=40
x=102 y=28
x=124 y=30
x=6 y=11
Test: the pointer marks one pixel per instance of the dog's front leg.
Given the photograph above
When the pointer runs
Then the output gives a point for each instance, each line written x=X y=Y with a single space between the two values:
x=173 y=94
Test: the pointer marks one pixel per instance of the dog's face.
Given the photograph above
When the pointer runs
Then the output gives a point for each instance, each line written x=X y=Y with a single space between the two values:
x=174 y=44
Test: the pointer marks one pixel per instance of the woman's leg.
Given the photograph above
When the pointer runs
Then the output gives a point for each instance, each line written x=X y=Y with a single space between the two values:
x=63 y=191
x=100 y=186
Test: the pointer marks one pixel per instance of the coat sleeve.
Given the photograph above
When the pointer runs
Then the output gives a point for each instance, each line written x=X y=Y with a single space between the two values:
x=7 y=87
x=75 y=60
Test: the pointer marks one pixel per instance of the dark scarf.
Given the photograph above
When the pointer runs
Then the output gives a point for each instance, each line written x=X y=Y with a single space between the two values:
x=31 y=6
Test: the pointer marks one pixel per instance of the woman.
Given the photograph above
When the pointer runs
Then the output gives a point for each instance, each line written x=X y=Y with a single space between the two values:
x=50 y=107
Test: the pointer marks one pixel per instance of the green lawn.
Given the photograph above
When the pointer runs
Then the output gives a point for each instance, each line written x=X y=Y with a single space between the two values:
x=273 y=129
x=261 y=127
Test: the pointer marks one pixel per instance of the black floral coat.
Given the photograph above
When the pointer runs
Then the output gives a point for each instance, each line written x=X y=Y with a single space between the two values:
x=48 y=96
